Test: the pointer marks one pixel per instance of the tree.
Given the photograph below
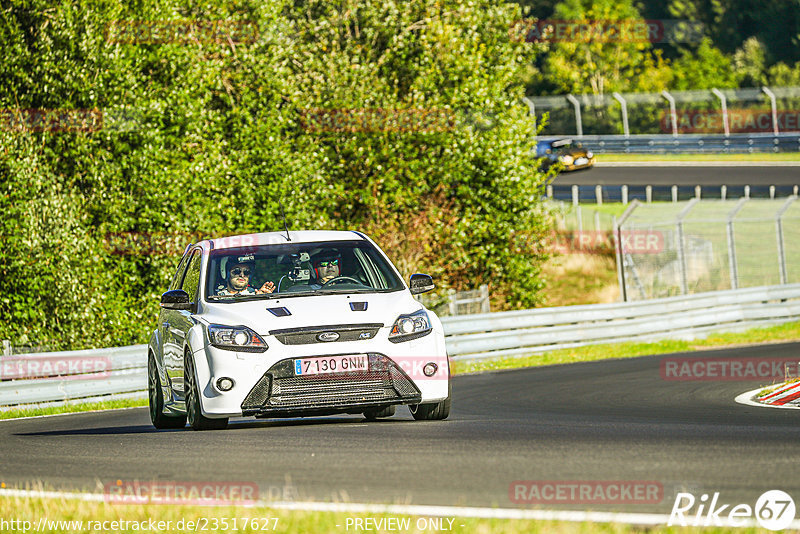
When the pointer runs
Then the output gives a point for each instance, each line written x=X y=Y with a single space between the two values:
x=613 y=54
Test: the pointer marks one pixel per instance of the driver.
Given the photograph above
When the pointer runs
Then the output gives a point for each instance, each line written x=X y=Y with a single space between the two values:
x=327 y=265
x=239 y=280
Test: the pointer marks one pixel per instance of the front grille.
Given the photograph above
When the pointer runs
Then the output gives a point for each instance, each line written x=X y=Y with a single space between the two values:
x=383 y=383
x=344 y=332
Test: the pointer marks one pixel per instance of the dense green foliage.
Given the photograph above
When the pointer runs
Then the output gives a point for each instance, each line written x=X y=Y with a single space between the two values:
x=204 y=137
x=742 y=44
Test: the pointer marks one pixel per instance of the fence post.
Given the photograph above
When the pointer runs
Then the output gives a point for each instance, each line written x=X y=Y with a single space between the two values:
x=485 y=308
x=723 y=192
x=682 y=247
x=618 y=248
x=648 y=193
x=579 y=217
x=598 y=194
x=774 y=106
x=672 y=113
x=724 y=103
x=697 y=191
x=6 y=347
x=674 y=193
x=617 y=256
x=779 y=235
x=575 y=198
x=597 y=222
x=734 y=270
x=578 y=122
x=549 y=190
x=532 y=108
x=747 y=191
x=624 y=105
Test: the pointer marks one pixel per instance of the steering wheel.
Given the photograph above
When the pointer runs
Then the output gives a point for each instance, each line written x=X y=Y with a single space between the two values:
x=339 y=279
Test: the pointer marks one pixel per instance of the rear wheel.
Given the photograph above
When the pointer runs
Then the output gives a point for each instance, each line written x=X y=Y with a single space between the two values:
x=194 y=414
x=156 y=400
x=377 y=413
x=431 y=412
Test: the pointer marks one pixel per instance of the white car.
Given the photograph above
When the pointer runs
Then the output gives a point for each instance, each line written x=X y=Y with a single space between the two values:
x=289 y=324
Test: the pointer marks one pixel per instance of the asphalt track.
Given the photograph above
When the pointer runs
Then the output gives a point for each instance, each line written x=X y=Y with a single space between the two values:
x=683 y=175
x=614 y=420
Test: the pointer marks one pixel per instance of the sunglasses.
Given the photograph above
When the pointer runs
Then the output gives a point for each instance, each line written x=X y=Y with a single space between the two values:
x=332 y=263
x=238 y=271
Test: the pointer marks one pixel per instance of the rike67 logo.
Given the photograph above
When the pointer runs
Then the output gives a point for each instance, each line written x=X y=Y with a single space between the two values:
x=774 y=510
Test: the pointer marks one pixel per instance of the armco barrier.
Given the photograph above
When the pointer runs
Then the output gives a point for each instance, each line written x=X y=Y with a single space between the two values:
x=524 y=332
x=474 y=337
x=691 y=143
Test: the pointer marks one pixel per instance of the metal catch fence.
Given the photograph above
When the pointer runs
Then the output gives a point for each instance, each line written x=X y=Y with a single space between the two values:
x=707 y=245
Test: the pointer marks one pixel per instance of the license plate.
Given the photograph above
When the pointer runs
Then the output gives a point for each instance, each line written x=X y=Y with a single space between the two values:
x=331 y=364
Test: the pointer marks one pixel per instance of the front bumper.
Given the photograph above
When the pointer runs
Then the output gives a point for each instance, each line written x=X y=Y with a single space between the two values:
x=265 y=384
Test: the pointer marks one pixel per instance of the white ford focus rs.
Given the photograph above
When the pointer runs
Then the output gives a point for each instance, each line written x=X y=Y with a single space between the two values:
x=289 y=324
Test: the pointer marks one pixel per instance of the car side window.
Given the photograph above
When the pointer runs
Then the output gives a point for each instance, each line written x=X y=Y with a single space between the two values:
x=191 y=281
x=178 y=277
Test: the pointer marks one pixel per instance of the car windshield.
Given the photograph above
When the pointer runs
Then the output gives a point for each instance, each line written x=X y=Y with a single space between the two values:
x=271 y=271
x=542 y=147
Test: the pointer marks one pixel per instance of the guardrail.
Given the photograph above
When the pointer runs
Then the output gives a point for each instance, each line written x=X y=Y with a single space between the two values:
x=468 y=337
x=692 y=143
x=529 y=331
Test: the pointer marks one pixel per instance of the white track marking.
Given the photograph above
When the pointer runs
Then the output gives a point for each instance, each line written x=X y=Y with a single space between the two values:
x=747 y=399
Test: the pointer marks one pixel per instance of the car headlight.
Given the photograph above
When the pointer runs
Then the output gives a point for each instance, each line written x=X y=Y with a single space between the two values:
x=566 y=159
x=590 y=154
x=410 y=326
x=238 y=338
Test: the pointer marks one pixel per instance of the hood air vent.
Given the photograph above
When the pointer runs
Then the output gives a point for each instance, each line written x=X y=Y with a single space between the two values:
x=279 y=312
x=358 y=306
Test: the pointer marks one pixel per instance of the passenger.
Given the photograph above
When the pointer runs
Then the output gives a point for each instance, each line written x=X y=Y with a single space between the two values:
x=238 y=281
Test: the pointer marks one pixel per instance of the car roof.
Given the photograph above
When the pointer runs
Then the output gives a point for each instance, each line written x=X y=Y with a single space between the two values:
x=279 y=238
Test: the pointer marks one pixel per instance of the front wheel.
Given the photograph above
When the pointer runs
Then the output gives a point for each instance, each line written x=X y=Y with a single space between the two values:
x=156 y=400
x=193 y=412
x=435 y=411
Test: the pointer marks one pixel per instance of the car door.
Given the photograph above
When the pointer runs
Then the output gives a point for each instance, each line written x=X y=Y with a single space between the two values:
x=181 y=321
x=169 y=348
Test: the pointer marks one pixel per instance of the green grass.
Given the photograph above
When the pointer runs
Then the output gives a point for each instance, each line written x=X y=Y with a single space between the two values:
x=781 y=156
x=784 y=332
x=73 y=408
x=61 y=509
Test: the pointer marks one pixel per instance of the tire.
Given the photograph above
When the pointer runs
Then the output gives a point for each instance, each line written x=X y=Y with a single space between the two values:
x=378 y=413
x=194 y=414
x=156 y=400
x=431 y=412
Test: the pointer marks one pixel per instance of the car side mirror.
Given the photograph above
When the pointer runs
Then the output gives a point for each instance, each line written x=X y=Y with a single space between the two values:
x=420 y=283
x=176 y=299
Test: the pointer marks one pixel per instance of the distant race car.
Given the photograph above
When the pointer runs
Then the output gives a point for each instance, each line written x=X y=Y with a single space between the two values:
x=291 y=324
x=571 y=156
